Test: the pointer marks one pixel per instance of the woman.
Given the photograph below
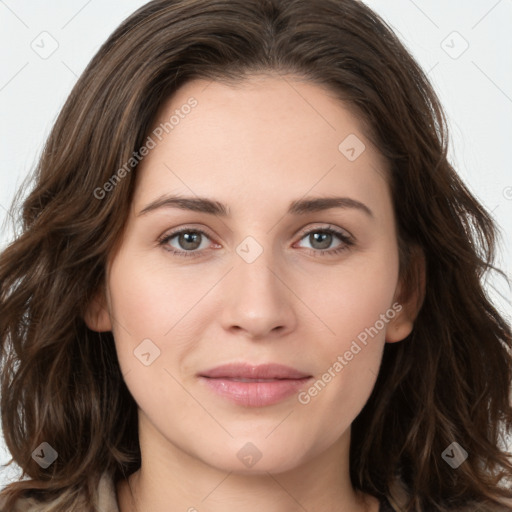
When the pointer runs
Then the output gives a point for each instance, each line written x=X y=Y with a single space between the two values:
x=168 y=341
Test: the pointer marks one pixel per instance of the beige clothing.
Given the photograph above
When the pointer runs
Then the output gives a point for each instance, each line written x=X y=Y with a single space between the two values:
x=106 y=500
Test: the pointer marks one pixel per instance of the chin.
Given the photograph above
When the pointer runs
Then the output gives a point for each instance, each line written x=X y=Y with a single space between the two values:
x=258 y=458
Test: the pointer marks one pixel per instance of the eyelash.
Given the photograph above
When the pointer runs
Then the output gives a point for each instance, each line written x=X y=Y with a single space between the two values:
x=347 y=242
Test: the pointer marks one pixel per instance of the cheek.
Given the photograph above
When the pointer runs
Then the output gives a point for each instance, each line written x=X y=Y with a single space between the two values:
x=348 y=358
x=146 y=298
x=351 y=298
x=355 y=305
x=145 y=307
x=156 y=312
x=137 y=304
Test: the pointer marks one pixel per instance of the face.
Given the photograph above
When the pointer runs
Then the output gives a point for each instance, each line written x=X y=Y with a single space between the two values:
x=250 y=319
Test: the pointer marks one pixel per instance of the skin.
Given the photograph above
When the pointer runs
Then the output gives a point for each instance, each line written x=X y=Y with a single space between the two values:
x=255 y=147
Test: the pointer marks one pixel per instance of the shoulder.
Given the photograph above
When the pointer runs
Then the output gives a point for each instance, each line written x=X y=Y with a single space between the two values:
x=105 y=500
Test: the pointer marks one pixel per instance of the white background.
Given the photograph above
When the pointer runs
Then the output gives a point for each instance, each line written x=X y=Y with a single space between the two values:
x=475 y=89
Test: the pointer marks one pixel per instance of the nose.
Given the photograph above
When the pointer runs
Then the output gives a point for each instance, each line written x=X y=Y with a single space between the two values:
x=258 y=301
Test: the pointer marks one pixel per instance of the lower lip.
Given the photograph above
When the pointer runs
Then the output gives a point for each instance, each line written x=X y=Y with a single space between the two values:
x=255 y=394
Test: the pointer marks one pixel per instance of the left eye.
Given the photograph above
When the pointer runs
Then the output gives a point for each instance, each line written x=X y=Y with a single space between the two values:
x=323 y=238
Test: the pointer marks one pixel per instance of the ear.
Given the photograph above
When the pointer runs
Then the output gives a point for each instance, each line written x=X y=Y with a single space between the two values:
x=97 y=315
x=408 y=298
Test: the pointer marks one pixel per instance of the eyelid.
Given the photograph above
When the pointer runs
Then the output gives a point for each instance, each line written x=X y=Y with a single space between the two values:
x=302 y=232
x=325 y=227
x=177 y=231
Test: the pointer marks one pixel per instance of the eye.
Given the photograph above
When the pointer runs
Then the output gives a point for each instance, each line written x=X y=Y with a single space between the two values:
x=189 y=242
x=321 y=239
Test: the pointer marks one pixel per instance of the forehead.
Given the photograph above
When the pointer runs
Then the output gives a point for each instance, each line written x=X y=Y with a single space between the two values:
x=260 y=138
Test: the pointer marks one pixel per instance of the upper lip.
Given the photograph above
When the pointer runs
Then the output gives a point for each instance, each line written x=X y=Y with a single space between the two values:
x=250 y=371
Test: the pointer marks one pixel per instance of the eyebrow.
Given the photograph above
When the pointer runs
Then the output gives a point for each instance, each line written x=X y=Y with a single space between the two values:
x=298 y=207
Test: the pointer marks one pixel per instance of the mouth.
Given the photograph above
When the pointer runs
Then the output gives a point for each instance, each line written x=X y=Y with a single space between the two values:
x=254 y=386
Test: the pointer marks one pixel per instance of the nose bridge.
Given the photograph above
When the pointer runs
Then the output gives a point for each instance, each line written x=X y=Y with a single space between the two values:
x=256 y=300
x=254 y=268
x=254 y=273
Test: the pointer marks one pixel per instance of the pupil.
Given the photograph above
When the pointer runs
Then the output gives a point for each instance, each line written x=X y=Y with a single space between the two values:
x=323 y=238
x=189 y=240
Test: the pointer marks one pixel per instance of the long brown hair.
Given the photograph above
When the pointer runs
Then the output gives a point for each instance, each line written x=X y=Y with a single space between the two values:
x=449 y=381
